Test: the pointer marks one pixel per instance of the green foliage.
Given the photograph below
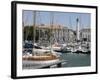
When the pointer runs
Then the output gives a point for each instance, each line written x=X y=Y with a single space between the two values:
x=29 y=34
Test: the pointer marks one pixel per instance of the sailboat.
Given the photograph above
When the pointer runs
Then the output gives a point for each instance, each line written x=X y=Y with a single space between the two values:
x=40 y=55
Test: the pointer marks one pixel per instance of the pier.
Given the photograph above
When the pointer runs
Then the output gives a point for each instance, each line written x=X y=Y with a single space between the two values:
x=31 y=65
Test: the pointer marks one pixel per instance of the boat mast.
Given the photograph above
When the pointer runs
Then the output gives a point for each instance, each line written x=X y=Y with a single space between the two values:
x=39 y=27
x=23 y=30
x=34 y=25
x=51 y=27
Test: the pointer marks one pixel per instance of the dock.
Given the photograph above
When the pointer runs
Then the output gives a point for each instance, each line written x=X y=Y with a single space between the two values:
x=31 y=65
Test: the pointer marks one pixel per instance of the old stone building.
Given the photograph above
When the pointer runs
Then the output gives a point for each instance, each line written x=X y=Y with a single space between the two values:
x=57 y=33
x=85 y=34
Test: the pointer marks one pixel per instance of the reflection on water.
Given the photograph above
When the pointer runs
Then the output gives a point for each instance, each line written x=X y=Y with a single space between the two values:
x=76 y=60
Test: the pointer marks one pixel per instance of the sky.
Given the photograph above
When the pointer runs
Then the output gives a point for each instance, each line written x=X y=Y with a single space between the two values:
x=67 y=19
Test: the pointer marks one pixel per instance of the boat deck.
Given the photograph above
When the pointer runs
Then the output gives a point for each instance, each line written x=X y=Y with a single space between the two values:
x=31 y=65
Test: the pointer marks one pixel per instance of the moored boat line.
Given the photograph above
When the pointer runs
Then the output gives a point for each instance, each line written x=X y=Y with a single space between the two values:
x=36 y=52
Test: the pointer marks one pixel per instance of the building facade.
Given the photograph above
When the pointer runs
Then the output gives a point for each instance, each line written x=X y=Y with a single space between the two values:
x=57 y=33
x=85 y=34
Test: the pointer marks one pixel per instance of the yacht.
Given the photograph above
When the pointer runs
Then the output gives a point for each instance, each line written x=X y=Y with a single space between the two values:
x=40 y=55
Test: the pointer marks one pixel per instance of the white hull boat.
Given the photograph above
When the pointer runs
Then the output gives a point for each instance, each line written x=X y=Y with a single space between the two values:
x=39 y=62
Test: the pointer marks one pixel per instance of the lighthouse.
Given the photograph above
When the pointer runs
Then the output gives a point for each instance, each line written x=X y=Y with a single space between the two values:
x=77 y=29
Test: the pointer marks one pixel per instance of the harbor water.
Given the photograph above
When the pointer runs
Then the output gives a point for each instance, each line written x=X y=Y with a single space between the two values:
x=76 y=59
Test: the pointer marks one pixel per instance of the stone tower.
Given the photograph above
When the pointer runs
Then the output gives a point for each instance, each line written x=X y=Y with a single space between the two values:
x=77 y=29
